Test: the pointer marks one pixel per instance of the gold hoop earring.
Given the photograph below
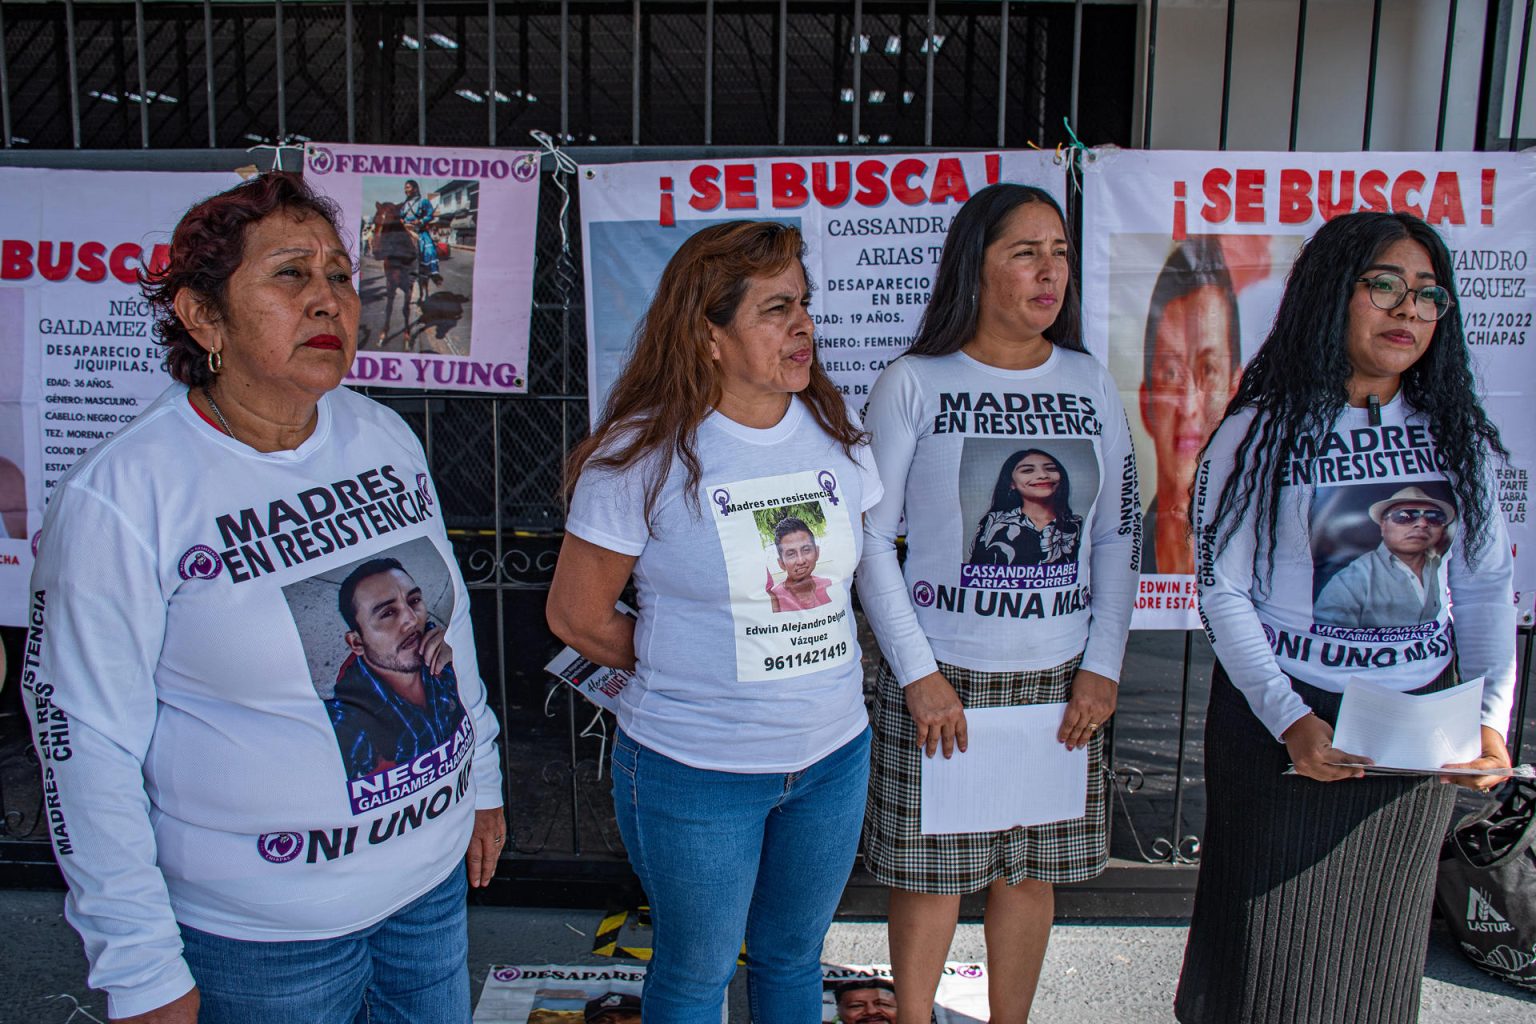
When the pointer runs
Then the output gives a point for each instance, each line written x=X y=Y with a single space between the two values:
x=215 y=362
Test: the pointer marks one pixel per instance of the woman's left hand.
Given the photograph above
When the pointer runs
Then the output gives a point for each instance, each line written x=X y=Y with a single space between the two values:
x=434 y=649
x=1495 y=755
x=485 y=845
x=1093 y=701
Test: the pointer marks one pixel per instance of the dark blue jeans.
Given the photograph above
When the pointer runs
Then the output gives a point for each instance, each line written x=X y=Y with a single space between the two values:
x=410 y=968
x=725 y=856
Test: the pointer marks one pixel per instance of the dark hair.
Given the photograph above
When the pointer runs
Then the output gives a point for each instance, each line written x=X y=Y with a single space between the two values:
x=348 y=591
x=789 y=525
x=1298 y=382
x=671 y=383
x=1005 y=498
x=954 y=309
x=842 y=988
x=1195 y=263
x=412 y=181
x=207 y=248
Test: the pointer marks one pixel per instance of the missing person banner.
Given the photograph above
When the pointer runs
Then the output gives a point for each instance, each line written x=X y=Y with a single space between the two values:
x=78 y=359
x=874 y=228
x=1185 y=256
x=444 y=243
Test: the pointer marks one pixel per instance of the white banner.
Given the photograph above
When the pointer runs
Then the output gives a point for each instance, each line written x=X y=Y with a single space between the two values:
x=874 y=228
x=444 y=241
x=79 y=360
x=1156 y=223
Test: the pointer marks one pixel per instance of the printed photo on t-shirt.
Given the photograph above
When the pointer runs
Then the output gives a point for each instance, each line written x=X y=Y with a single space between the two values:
x=789 y=551
x=792 y=546
x=372 y=632
x=1025 y=503
x=1377 y=554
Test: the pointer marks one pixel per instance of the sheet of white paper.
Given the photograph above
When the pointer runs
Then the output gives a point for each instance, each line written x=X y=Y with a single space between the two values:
x=1401 y=730
x=1013 y=772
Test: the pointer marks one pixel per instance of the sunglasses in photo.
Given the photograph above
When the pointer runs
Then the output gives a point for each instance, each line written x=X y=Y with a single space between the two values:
x=1432 y=516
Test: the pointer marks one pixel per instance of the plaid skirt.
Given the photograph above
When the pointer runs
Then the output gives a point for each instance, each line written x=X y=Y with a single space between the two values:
x=898 y=854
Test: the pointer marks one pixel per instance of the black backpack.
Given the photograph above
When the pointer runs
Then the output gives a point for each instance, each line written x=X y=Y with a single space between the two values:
x=1486 y=889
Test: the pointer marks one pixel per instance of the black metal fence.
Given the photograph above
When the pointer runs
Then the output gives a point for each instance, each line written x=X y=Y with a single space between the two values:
x=192 y=85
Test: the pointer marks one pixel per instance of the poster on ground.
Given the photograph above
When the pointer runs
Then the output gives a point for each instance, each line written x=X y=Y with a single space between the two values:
x=610 y=994
x=77 y=356
x=874 y=228
x=444 y=244
x=1185 y=256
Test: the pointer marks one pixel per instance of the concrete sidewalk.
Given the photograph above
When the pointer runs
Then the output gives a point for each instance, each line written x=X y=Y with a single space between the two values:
x=1105 y=972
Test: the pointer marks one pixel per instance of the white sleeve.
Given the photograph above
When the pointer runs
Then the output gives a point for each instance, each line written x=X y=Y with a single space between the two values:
x=608 y=506
x=891 y=419
x=1114 y=564
x=97 y=622
x=1483 y=611
x=1225 y=582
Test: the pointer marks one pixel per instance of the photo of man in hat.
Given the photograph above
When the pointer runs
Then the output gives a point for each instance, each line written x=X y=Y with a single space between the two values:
x=613 y=1008
x=1399 y=580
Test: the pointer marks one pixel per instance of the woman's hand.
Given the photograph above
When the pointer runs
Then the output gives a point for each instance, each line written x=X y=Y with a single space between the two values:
x=485 y=845
x=434 y=649
x=937 y=712
x=177 y=1011
x=1093 y=701
x=1495 y=755
x=1310 y=743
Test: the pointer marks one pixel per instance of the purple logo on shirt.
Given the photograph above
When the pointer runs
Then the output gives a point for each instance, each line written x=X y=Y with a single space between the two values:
x=922 y=593
x=279 y=847
x=37 y=535
x=828 y=484
x=722 y=497
x=1269 y=635
x=200 y=562
x=423 y=489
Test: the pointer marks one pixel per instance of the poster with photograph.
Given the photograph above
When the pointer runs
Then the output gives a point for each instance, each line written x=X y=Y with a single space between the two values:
x=78 y=355
x=1185 y=259
x=372 y=633
x=874 y=228
x=444 y=244
x=864 y=994
x=787 y=553
x=562 y=994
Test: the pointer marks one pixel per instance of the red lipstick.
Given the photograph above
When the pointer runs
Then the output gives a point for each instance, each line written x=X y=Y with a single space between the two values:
x=327 y=342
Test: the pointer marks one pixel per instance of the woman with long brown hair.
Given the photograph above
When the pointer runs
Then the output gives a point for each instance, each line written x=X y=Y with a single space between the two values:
x=743 y=749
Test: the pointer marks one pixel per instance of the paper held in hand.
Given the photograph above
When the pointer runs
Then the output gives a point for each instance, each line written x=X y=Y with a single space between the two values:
x=1412 y=734
x=1014 y=772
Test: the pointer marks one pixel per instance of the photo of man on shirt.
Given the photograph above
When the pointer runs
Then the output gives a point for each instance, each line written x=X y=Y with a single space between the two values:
x=1396 y=583
x=798 y=553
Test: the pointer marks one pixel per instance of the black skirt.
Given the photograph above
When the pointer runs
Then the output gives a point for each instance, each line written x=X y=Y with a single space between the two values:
x=1313 y=901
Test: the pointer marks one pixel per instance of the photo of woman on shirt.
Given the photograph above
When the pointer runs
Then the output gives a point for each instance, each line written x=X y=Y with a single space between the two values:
x=1030 y=521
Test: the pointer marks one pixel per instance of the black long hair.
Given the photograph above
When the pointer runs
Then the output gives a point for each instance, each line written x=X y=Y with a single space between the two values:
x=1005 y=498
x=954 y=309
x=1298 y=381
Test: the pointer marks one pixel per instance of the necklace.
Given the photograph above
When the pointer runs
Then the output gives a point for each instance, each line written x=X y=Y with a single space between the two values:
x=208 y=394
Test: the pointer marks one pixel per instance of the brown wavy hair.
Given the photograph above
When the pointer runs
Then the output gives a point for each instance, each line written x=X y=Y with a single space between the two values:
x=671 y=381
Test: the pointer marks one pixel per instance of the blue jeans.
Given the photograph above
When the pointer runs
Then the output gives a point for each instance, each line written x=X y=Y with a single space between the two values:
x=725 y=856
x=410 y=968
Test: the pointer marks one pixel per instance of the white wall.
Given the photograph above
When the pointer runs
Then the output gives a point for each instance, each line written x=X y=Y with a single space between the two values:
x=1191 y=38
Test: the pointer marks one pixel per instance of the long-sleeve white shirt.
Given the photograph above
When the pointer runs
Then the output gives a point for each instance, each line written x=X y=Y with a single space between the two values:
x=184 y=638
x=986 y=585
x=1339 y=488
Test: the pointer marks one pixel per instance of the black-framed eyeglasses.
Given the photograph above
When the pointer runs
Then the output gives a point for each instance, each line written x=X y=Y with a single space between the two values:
x=1404 y=516
x=1387 y=291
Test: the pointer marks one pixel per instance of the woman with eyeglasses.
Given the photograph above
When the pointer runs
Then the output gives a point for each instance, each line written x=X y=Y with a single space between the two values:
x=1345 y=503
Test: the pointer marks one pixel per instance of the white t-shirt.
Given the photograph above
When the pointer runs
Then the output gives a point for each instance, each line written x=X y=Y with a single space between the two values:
x=988 y=586
x=209 y=752
x=1343 y=599
x=723 y=681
